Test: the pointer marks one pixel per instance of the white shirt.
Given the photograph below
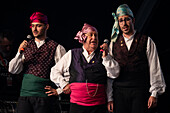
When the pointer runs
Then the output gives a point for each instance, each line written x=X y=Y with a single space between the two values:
x=157 y=81
x=60 y=72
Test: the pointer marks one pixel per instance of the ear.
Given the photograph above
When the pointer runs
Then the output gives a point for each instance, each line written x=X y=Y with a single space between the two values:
x=133 y=20
x=47 y=26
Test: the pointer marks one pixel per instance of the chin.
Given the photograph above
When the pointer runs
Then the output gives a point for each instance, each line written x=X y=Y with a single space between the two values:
x=126 y=32
x=36 y=36
x=94 y=47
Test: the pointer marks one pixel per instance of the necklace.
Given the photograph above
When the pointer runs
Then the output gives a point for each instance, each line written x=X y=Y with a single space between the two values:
x=95 y=91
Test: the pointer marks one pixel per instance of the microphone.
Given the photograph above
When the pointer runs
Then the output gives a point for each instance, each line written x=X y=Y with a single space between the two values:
x=106 y=41
x=101 y=50
x=29 y=37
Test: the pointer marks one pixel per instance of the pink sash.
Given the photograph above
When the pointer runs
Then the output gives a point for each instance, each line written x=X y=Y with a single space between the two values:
x=88 y=94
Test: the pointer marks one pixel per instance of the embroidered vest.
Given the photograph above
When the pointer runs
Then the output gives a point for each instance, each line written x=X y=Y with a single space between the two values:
x=134 y=69
x=38 y=61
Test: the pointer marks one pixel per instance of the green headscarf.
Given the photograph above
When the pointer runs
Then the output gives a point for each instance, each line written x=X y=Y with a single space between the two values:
x=121 y=10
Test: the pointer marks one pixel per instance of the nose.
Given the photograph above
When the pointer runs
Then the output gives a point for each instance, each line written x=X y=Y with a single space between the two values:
x=94 y=36
x=124 y=22
x=34 y=28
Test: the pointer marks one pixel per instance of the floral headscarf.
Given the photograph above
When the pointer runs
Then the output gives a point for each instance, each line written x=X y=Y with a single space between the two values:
x=81 y=34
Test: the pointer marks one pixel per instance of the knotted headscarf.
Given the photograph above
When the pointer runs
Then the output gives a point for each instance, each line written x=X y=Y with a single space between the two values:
x=81 y=34
x=121 y=10
x=38 y=17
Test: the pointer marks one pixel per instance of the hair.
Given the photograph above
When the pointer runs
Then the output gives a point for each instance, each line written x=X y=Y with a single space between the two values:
x=7 y=34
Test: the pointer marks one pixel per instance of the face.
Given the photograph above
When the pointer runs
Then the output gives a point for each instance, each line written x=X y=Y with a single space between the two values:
x=6 y=45
x=92 y=40
x=39 y=29
x=126 y=24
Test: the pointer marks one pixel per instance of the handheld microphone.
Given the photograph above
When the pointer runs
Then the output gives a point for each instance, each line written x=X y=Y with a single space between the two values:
x=105 y=41
x=29 y=37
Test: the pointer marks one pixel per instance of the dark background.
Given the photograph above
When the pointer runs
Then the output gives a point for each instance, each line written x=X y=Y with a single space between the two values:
x=66 y=18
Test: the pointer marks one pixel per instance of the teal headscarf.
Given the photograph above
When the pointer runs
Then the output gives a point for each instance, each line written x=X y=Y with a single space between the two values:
x=121 y=10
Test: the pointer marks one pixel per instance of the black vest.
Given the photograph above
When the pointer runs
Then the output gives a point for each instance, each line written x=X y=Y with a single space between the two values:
x=134 y=69
x=81 y=70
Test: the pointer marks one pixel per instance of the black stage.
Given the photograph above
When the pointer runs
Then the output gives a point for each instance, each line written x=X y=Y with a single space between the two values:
x=67 y=17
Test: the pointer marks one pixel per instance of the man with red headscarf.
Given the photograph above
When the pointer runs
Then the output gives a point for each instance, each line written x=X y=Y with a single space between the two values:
x=83 y=73
x=35 y=59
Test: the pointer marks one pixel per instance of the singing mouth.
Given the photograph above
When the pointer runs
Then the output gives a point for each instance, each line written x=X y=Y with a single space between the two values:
x=125 y=28
x=93 y=42
x=35 y=32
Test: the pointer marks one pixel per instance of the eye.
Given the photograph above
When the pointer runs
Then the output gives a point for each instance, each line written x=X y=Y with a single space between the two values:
x=39 y=25
x=120 y=20
x=95 y=35
x=128 y=19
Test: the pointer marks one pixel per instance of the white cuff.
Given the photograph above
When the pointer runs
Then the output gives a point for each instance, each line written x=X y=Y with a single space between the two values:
x=59 y=91
x=154 y=94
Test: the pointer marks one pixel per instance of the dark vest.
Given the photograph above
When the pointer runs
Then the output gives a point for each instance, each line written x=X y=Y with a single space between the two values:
x=81 y=70
x=38 y=61
x=134 y=69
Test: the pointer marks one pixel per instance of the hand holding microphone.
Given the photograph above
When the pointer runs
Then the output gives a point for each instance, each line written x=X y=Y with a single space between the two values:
x=104 y=48
x=24 y=44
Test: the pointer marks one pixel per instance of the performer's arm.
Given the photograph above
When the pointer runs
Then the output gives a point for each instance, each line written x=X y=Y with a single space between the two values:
x=157 y=81
x=111 y=66
x=16 y=64
x=60 y=72
x=156 y=76
x=60 y=51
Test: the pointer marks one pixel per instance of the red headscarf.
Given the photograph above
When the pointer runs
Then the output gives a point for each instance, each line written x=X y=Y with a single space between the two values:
x=38 y=17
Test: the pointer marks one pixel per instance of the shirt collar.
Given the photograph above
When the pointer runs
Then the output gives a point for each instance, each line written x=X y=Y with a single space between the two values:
x=131 y=37
x=40 y=43
x=85 y=53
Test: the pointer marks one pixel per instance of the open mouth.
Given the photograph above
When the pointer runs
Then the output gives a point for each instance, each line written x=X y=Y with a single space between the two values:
x=125 y=28
x=35 y=32
x=93 y=42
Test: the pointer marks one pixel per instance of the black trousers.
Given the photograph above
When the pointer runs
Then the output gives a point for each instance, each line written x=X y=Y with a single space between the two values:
x=131 y=100
x=37 y=105
x=74 y=108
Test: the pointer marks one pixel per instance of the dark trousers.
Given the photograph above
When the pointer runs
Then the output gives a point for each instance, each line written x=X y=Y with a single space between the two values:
x=131 y=100
x=74 y=108
x=37 y=105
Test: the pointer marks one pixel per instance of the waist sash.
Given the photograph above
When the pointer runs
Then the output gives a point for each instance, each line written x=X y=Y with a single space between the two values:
x=87 y=94
x=34 y=86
